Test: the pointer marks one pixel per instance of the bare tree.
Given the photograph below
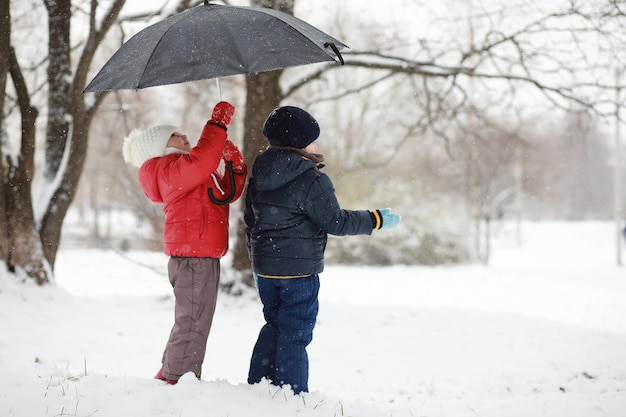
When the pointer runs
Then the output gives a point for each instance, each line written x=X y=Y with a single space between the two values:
x=32 y=241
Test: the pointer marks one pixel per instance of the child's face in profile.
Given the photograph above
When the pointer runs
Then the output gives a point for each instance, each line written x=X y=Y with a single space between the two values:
x=179 y=141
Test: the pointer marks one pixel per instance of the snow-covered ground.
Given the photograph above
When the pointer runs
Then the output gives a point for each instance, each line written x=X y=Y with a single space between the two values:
x=541 y=331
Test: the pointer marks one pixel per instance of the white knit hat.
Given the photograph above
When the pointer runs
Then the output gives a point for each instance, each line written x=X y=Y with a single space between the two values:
x=141 y=145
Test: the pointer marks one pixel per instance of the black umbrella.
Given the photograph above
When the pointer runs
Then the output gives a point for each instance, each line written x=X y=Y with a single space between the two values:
x=210 y=41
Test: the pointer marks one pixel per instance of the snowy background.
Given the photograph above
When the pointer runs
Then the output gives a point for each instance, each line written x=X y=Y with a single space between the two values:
x=541 y=331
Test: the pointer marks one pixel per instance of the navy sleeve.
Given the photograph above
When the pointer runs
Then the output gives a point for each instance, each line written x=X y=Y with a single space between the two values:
x=323 y=210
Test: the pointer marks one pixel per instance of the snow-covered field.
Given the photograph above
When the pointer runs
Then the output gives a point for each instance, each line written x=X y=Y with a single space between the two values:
x=539 y=332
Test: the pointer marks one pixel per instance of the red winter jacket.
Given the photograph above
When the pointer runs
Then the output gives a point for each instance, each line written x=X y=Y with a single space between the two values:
x=194 y=225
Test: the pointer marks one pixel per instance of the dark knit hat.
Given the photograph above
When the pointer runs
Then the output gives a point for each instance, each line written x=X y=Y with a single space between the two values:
x=290 y=126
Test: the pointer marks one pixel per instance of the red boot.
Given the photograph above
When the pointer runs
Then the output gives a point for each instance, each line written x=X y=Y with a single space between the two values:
x=160 y=376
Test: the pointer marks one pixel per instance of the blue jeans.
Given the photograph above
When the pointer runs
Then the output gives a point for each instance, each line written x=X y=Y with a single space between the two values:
x=290 y=309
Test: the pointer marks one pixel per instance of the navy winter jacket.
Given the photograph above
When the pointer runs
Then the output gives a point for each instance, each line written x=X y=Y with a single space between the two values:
x=290 y=208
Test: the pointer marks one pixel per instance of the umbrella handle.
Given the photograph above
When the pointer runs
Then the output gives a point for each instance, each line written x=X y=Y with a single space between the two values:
x=231 y=179
x=335 y=50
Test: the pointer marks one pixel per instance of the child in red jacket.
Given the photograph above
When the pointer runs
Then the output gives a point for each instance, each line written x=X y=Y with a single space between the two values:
x=195 y=234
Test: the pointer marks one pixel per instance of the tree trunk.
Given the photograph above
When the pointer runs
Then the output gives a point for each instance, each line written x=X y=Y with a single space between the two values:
x=25 y=250
x=263 y=94
x=5 y=50
x=60 y=128
x=59 y=76
x=52 y=221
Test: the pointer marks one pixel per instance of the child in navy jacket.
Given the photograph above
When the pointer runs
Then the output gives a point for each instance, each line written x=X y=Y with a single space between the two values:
x=290 y=208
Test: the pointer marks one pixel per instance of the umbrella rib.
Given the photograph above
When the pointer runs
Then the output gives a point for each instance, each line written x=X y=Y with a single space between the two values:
x=306 y=38
x=175 y=20
x=229 y=30
x=260 y=35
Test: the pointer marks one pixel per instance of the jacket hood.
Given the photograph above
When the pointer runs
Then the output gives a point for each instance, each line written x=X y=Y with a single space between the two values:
x=274 y=168
x=148 y=179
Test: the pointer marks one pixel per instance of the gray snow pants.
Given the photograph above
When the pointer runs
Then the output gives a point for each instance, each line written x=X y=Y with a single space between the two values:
x=195 y=282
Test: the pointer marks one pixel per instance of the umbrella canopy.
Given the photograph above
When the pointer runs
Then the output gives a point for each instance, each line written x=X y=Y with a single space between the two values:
x=211 y=41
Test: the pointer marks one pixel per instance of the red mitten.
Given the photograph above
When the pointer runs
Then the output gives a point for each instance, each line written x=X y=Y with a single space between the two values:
x=232 y=153
x=222 y=114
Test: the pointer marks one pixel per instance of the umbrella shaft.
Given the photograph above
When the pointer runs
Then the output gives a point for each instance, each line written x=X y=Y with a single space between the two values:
x=219 y=90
